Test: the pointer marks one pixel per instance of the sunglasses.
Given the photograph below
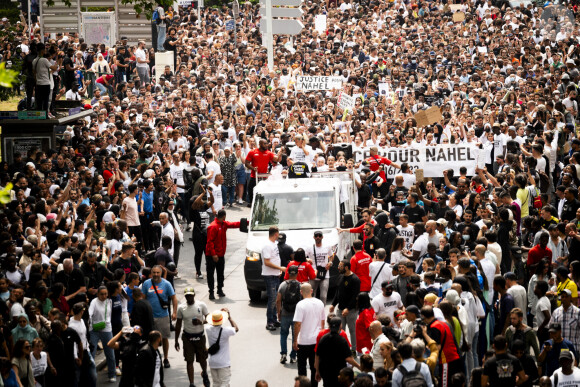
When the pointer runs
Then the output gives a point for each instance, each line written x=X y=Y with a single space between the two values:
x=318 y=236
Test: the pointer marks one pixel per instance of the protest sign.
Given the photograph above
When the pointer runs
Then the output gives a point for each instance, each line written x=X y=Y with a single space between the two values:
x=455 y=7
x=320 y=24
x=433 y=160
x=307 y=83
x=345 y=101
x=428 y=117
x=384 y=89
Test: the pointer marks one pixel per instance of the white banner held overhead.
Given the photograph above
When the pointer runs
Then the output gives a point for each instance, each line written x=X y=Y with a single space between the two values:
x=307 y=83
x=384 y=89
x=345 y=101
x=320 y=24
x=432 y=159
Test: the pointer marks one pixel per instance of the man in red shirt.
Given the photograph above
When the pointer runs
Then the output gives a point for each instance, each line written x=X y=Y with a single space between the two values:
x=359 y=264
x=258 y=160
x=538 y=252
x=215 y=250
x=375 y=162
x=367 y=218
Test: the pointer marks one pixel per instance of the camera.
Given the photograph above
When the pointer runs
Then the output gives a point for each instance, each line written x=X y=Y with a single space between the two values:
x=418 y=326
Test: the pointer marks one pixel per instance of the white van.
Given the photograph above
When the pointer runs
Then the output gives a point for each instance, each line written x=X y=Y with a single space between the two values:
x=298 y=207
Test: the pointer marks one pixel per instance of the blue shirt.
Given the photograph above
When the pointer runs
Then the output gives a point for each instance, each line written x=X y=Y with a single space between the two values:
x=147 y=201
x=165 y=291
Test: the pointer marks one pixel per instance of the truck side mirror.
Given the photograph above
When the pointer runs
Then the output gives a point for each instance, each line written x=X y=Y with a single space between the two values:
x=244 y=225
x=347 y=221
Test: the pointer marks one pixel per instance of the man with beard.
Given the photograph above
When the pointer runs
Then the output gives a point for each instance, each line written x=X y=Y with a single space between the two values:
x=191 y=315
x=258 y=160
x=345 y=298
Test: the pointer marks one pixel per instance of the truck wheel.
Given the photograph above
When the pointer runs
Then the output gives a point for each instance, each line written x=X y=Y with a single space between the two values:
x=255 y=295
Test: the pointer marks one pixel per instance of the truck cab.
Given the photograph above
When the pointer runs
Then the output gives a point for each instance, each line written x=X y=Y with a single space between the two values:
x=298 y=207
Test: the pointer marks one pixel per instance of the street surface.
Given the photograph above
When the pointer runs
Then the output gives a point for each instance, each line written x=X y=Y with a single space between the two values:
x=255 y=352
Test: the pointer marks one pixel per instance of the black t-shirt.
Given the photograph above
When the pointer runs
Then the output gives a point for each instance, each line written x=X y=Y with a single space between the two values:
x=415 y=214
x=128 y=265
x=569 y=209
x=70 y=338
x=333 y=351
x=395 y=213
x=68 y=74
x=502 y=370
x=298 y=170
x=72 y=282
x=371 y=245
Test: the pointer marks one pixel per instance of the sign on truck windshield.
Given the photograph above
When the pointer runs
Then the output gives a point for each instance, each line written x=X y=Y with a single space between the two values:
x=294 y=211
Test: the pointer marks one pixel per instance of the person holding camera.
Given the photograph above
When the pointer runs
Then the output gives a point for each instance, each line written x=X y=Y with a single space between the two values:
x=127 y=343
x=160 y=293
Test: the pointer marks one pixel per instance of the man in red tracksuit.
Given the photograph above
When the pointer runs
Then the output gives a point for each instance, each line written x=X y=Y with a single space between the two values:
x=215 y=249
x=375 y=162
x=359 y=265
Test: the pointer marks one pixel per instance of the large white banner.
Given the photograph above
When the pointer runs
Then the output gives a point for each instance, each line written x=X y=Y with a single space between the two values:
x=307 y=83
x=432 y=159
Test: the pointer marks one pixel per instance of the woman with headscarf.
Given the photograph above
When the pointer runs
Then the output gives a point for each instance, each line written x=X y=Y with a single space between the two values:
x=23 y=330
x=101 y=65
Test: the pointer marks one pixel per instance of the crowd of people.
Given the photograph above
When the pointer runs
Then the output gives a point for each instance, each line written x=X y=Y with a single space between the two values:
x=453 y=280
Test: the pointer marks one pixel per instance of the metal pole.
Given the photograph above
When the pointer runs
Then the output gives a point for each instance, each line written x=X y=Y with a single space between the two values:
x=30 y=29
x=269 y=36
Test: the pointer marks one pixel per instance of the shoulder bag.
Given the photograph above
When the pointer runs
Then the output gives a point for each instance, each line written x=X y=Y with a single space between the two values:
x=377 y=277
x=215 y=347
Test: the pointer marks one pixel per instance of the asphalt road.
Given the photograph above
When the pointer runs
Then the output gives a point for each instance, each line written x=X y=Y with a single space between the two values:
x=255 y=352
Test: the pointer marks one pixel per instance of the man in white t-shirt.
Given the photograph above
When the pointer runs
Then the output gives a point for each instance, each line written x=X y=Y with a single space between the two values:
x=142 y=59
x=379 y=271
x=308 y=321
x=567 y=375
x=320 y=258
x=212 y=168
x=216 y=188
x=301 y=153
x=388 y=301
x=271 y=272
x=517 y=291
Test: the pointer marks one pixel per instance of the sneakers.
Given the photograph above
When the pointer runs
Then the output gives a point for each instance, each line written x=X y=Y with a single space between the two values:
x=199 y=276
x=277 y=324
x=176 y=276
x=211 y=296
x=240 y=201
x=166 y=363
x=283 y=359
x=270 y=327
x=118 y=371
x=205 y=377
x=188 y=228
x=221 y=293
x=191 y=385
x=292 y=360
x=113 y=380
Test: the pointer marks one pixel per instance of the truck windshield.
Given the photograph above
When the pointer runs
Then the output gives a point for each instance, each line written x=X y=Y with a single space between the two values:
x=294 y=211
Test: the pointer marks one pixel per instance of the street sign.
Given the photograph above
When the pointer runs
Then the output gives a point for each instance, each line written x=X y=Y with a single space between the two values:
x=283 y=12
x=230 y=25
x=283 y=27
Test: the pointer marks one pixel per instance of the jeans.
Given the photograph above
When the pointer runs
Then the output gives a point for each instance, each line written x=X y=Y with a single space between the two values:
x=42 y=97
x=103 y=88
x=161 y=30
x=306 y=352
x=104 y=337
x=218 y=267
x=87 y=372
x=199 y=242
x=232 y=194
x=272 y=284
x=323 y=285
x=350 y=321
x=286 y=322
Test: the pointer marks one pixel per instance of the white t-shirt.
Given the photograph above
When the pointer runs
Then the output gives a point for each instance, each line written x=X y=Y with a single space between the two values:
x=140 y=54
x=81 y=329
x=310 y=313
x=217 y=196
x=270 y=251
x=572 y=380
x=409 y=180
x=187 y=313
x=518 y=292
x=298 y=155
x=222 y=358
x=387 y=305
x=397 y=256
x=386 y=274
x=215 y=167
x=321 y=259
x=176 y=173
x=420 y=245
x=39 y=366
x=73 y=96
x=542 y=305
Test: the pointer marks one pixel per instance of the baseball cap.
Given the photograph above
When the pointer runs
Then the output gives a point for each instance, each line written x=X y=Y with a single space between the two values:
x=554 y=327
x=293 y=269
x=317 y=233
x=566 y=354
x=413 y=309
x=189 y=291
x=567 y=291
x=442 y=222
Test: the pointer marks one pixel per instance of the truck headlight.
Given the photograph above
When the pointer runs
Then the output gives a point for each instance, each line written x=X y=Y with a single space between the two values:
x=252 y=255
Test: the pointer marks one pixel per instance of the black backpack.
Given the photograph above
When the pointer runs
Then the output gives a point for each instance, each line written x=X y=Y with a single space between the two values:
x=291 y=296
x=150 y=259
x=412 y=378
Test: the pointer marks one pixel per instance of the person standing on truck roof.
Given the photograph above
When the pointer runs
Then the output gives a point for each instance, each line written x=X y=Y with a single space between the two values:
x=215 y=251
x=257 y=161
x=375 y=162
x=320 y=256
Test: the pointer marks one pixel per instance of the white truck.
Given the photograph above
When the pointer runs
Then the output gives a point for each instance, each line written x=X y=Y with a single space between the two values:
x=298 y=207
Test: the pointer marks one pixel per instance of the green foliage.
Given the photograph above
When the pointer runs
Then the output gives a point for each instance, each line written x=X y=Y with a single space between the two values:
x=7 y=76
x=11 y=79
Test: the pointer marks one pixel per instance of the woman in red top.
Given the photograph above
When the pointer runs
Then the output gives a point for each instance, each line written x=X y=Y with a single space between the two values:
x=365 y=317
x=305 y=270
